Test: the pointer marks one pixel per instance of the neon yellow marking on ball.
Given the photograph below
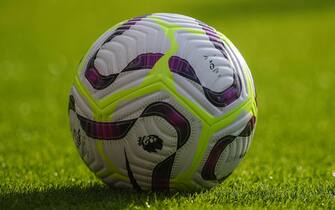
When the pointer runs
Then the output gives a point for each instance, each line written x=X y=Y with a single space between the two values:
x=83 y=91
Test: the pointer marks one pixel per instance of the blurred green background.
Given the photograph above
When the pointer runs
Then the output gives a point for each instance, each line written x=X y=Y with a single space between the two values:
x=289 y=46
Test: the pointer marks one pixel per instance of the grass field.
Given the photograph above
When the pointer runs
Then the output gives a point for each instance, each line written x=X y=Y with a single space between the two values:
x=288 y=45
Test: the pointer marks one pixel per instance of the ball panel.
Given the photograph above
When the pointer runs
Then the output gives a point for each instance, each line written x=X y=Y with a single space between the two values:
x=211 y=68
x=227 y=148
x=135 y=45
x=158 y=119
x=231 y=157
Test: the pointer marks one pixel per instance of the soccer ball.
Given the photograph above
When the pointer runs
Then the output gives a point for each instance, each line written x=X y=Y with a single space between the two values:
x=162 y=102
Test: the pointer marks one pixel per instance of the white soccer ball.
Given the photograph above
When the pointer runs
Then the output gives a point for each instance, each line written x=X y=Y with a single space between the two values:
x=161 y=102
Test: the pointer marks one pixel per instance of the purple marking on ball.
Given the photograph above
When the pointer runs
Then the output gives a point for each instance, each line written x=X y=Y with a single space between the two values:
x=208 y=171
x=99 y=81
x=173 y=117
x=105 y=130
x=143 y=61
x=119 y=129
x=247 y=131
x=226 y=97
x=124 y=27
x=215 y=39
x=183 y=68
x=220 y=99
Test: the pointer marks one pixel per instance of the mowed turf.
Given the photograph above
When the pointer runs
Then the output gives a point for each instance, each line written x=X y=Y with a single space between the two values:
x=289 y=47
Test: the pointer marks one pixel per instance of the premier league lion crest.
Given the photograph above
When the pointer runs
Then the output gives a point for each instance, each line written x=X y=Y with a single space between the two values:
x=150 y=143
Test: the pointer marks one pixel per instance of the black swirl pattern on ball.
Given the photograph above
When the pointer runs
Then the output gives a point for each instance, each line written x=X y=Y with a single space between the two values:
x=208 y=170
x=182 y=67
x=131 y=175
x=118 y=130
